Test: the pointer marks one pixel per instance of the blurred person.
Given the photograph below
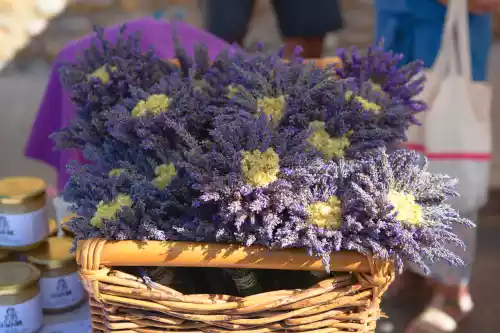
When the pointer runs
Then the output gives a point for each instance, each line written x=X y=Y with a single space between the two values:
x=414 y=28
x=301 y=22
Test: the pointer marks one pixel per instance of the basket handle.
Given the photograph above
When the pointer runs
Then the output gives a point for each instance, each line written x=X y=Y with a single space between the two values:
x=94 y=253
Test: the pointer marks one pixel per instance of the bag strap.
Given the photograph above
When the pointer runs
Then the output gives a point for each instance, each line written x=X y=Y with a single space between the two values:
x=442 y=60
x=452 y=42
x=463 y=39
x=454 y=53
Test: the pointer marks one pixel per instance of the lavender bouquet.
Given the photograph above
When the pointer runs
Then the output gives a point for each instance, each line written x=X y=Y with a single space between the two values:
x=254 y=150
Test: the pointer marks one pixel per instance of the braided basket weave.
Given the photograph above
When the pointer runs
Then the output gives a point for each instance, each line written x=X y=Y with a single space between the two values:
x=124 y=303
x=121 y=302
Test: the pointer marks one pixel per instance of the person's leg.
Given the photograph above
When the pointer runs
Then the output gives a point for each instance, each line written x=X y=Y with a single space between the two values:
x=452 y=300
x=228 y=19
x=306 y=23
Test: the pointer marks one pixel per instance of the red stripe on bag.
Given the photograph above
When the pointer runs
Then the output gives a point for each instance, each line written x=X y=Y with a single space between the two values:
x=449 y=156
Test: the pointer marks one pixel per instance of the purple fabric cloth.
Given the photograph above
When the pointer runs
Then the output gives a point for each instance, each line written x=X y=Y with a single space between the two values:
x=56 y=109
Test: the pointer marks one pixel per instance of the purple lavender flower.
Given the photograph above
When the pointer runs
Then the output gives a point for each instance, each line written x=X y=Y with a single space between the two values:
x=353 y=115
x=155 y=203
x=266 y=84
x=384 y=74
x=387 y=206
x=393 y=208
x=254 y=150
x=364 y=119
x=103 y=77
x=242 y=178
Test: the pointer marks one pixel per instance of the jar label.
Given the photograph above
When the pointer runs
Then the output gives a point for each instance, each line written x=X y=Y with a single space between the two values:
x=22 y=318
x=23 y=229
x=61 y=292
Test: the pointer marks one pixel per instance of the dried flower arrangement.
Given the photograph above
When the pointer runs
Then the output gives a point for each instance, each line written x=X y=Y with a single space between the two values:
x=254 y=150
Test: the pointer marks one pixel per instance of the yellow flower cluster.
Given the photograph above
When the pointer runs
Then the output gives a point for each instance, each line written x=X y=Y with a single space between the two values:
x=102 y=73
x=408 y=211
x=328 y=146
x=327 y=215
x=164 y=175
x=115 y=172
x=155 y=104
x=109 y=210
x=199 y=85
x=260 y=169
x=273 y=107
x=232 y=91
x=366 y=104
x=377 y=87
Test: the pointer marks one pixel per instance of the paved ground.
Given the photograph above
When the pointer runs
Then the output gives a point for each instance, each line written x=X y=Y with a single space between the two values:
x=485 y=288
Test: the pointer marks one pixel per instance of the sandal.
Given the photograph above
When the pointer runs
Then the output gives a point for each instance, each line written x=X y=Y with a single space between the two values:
x=442 y=316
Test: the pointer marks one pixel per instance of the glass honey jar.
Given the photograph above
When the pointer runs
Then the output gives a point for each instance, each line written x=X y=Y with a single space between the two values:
x=20 y=300
x=61 y=287
x=23 y=220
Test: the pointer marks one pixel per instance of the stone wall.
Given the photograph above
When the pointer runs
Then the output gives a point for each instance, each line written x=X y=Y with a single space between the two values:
x=359 y=21
x=33 y=31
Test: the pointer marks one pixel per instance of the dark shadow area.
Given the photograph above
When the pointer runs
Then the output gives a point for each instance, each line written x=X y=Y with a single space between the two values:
x=485 y=292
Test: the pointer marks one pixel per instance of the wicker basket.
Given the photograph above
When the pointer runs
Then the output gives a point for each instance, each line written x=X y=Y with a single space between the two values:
x=121 y=302
x=124 y=303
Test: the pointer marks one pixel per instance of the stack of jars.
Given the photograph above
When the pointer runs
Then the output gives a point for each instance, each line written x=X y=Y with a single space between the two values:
x=37 y=271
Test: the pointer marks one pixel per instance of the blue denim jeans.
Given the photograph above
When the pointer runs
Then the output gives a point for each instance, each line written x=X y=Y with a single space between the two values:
x=419 y=37
x=228 y=19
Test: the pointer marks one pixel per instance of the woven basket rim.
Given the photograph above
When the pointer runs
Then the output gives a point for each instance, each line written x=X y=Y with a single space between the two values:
x=194 y=254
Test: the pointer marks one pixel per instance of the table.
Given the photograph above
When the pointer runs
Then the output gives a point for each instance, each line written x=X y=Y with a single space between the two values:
x=76 y=321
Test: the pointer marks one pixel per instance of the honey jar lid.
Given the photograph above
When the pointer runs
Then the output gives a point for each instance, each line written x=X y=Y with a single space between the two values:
x=16 y=276
x=53 y=253
x=52 y=227
x=17 y=190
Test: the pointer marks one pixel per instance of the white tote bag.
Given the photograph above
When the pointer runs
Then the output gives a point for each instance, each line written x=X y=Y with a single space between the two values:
x=456 y=131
